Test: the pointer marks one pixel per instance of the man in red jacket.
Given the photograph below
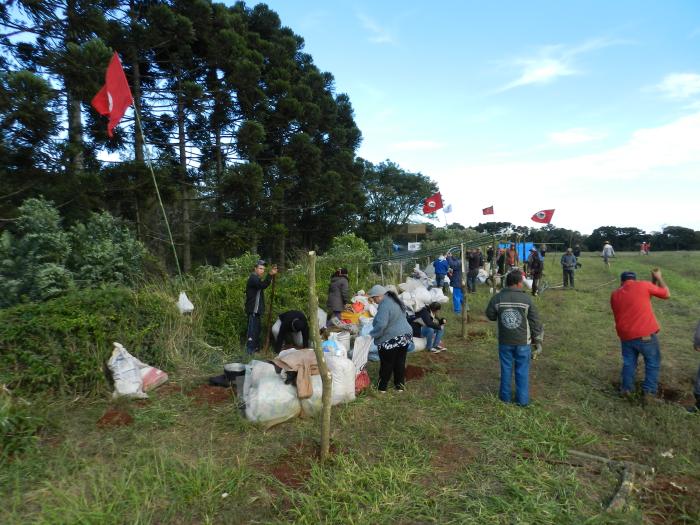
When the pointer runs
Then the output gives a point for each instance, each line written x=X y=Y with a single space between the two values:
x=637 y=327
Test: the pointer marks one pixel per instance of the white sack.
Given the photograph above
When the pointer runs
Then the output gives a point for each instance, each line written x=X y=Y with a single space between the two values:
x=184 y=304
x=271 y=401
x=360 y=351
x=313 y=405
x=437 y=296
x=419 y=343
x=482 y=276
x=343 y=374
x=126 y=373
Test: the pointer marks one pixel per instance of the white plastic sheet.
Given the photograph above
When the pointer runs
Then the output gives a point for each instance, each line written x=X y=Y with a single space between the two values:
x=126 y=373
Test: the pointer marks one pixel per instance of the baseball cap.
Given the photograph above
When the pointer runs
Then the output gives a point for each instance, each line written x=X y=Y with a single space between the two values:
x=626 y=276
x=376 y=290
x=261 y=262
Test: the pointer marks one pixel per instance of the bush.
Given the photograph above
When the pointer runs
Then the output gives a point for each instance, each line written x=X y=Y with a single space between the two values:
x=18 y=425
x=62 y=344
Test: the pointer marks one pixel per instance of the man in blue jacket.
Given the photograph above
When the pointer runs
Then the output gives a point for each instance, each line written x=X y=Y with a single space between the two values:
x=441 y=266
x=455 y=274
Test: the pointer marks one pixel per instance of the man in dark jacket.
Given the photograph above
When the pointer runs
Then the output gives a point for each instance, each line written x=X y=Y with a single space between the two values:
x=568 y=265
x=292 y=322
x=534 y=266
x=455 y=274
x=476 y=261
x=696 y=388
x=430 y=327
x=518 y=326
x=255 y=303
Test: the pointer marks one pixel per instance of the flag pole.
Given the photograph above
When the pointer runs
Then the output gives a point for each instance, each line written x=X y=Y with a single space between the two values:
x=155 y=184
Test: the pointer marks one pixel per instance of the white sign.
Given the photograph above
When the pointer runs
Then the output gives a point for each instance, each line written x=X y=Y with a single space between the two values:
x=413 y=246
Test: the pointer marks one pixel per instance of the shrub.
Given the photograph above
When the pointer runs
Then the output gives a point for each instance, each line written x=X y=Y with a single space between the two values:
x=18 y=425
x=62 y=344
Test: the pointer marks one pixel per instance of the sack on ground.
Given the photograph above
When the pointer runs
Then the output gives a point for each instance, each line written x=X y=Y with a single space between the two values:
x=184 y=304
x=126 y=373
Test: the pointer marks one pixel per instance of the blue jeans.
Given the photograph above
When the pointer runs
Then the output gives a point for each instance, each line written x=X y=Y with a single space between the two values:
x=652 y=363
x=471 y=282
x=457 y=299
x=432 y=336
x=520 y=355
x=696 y=389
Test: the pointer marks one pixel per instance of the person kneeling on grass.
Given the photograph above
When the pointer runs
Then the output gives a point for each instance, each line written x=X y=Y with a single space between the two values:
x=432 y=328
x=392 y=334
x=518 y=326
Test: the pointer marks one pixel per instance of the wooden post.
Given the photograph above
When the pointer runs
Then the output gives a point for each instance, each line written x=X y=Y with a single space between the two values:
x=494 y=265
x=321 y=360
x=381 y=271
x=266 y=348
x=465 y=302
x=401 y=271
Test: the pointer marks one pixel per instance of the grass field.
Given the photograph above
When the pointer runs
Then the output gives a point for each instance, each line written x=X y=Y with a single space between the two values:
x=446 y=451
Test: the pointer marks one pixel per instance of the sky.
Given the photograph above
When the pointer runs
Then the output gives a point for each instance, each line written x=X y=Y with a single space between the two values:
x=590 y=108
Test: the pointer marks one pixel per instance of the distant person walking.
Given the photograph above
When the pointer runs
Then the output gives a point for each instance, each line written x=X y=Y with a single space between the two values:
x=568 y=265
x=608 y=252
x=518 y=326
x=535 y=266
x=637 y=327
x=476 y=261
x=696 y=387
x=511 y=257
x=577 y=254
x=392 y=334
x=255 y=303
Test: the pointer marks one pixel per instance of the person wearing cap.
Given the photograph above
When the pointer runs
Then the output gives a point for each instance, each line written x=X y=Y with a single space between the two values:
x=518 y=327
x=568 y=265
x=441 y=266
x=534 y=266
x=392 y=334
x=607 y=253
x=338 y=293
x=255 y=303
x=637 y=329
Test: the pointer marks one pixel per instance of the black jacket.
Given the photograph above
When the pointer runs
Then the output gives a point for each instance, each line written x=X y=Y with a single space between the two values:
x=338 y=293
x=423 y=318
x=254 y=295
x=518 y=320
x=292 y=321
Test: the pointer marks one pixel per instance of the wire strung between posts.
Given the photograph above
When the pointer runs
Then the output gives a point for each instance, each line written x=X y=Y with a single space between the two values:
x=160 y=201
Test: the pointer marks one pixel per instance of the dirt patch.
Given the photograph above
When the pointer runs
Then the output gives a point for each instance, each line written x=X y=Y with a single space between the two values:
x=415 y=372
x=115 y=417
x=671 y=501
x=476 y=336
x=451 y=456
x=210 y=395
x=168 y=389
x=665 y=392
x=440 y=358
x=293 y=467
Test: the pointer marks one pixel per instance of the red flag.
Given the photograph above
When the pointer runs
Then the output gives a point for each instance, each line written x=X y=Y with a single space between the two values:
x=432 y=203
x=115 y=96
x=544 y=216
x=487 y=211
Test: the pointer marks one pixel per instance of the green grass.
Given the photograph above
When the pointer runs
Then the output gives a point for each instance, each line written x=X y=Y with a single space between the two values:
x=446 y=451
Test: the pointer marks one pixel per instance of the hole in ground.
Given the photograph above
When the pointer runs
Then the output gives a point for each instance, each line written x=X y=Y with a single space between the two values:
x=211 y=395
x=415 y=372
x=115 y=417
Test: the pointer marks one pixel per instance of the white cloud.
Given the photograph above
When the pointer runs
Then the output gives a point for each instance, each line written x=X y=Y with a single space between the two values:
x=379 y=34
x=679 y=85
x=551 y=63
x=417 y=145
x=575 y=136
x=651 y=179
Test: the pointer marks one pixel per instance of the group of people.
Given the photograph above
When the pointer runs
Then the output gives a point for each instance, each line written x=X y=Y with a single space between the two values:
x=517 y=317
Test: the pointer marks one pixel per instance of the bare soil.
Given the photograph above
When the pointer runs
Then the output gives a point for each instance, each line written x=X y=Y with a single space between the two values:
x=210 y=395
x=415 y=372
x=115 y=417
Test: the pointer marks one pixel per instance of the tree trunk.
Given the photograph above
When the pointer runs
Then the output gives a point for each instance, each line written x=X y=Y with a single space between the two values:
x=186 y=225
x=321 y=360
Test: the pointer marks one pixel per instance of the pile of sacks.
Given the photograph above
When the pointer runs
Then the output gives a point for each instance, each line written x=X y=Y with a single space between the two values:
x=415 y=295
x=270 y=400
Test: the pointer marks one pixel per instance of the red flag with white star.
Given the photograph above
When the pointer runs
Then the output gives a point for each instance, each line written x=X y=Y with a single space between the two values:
x=487 y=211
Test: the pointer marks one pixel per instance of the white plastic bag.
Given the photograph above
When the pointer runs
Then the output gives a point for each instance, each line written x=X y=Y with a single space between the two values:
x=271 y=401
x=126 y=373
x=314 y=404
x=184 y=304
x=343 y=374
x=482 y=276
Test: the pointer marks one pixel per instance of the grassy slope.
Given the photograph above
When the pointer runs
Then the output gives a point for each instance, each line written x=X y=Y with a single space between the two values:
x=447 y=451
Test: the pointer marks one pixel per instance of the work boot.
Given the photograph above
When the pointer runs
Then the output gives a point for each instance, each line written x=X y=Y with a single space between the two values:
x=695 y=409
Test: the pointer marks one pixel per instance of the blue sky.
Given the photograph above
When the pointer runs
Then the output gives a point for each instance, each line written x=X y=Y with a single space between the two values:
x=591 y=108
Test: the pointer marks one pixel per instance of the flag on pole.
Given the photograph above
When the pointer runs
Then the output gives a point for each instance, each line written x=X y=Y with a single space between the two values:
x=432 y=203
x=447 y=209
x=115 y=96
x=544 y=216
x=487 y=211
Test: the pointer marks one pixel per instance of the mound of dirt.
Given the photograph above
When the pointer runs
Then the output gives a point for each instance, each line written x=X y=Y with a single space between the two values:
x=210 y=395
x=115 y=417
x=293 y=467
x=415 y=372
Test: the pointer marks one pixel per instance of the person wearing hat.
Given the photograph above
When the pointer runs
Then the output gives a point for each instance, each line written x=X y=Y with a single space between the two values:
x=568 y=264
x=637 y=327
x=338 y=293
x=255 y=303
x=607 y=253
x=534 y=266
x=392 y=334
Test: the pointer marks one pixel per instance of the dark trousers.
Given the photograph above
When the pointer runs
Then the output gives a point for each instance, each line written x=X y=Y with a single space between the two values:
x=392 y=362
x=471 y=281
x=535 y=284
x=568 y=278
x=252 y=336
